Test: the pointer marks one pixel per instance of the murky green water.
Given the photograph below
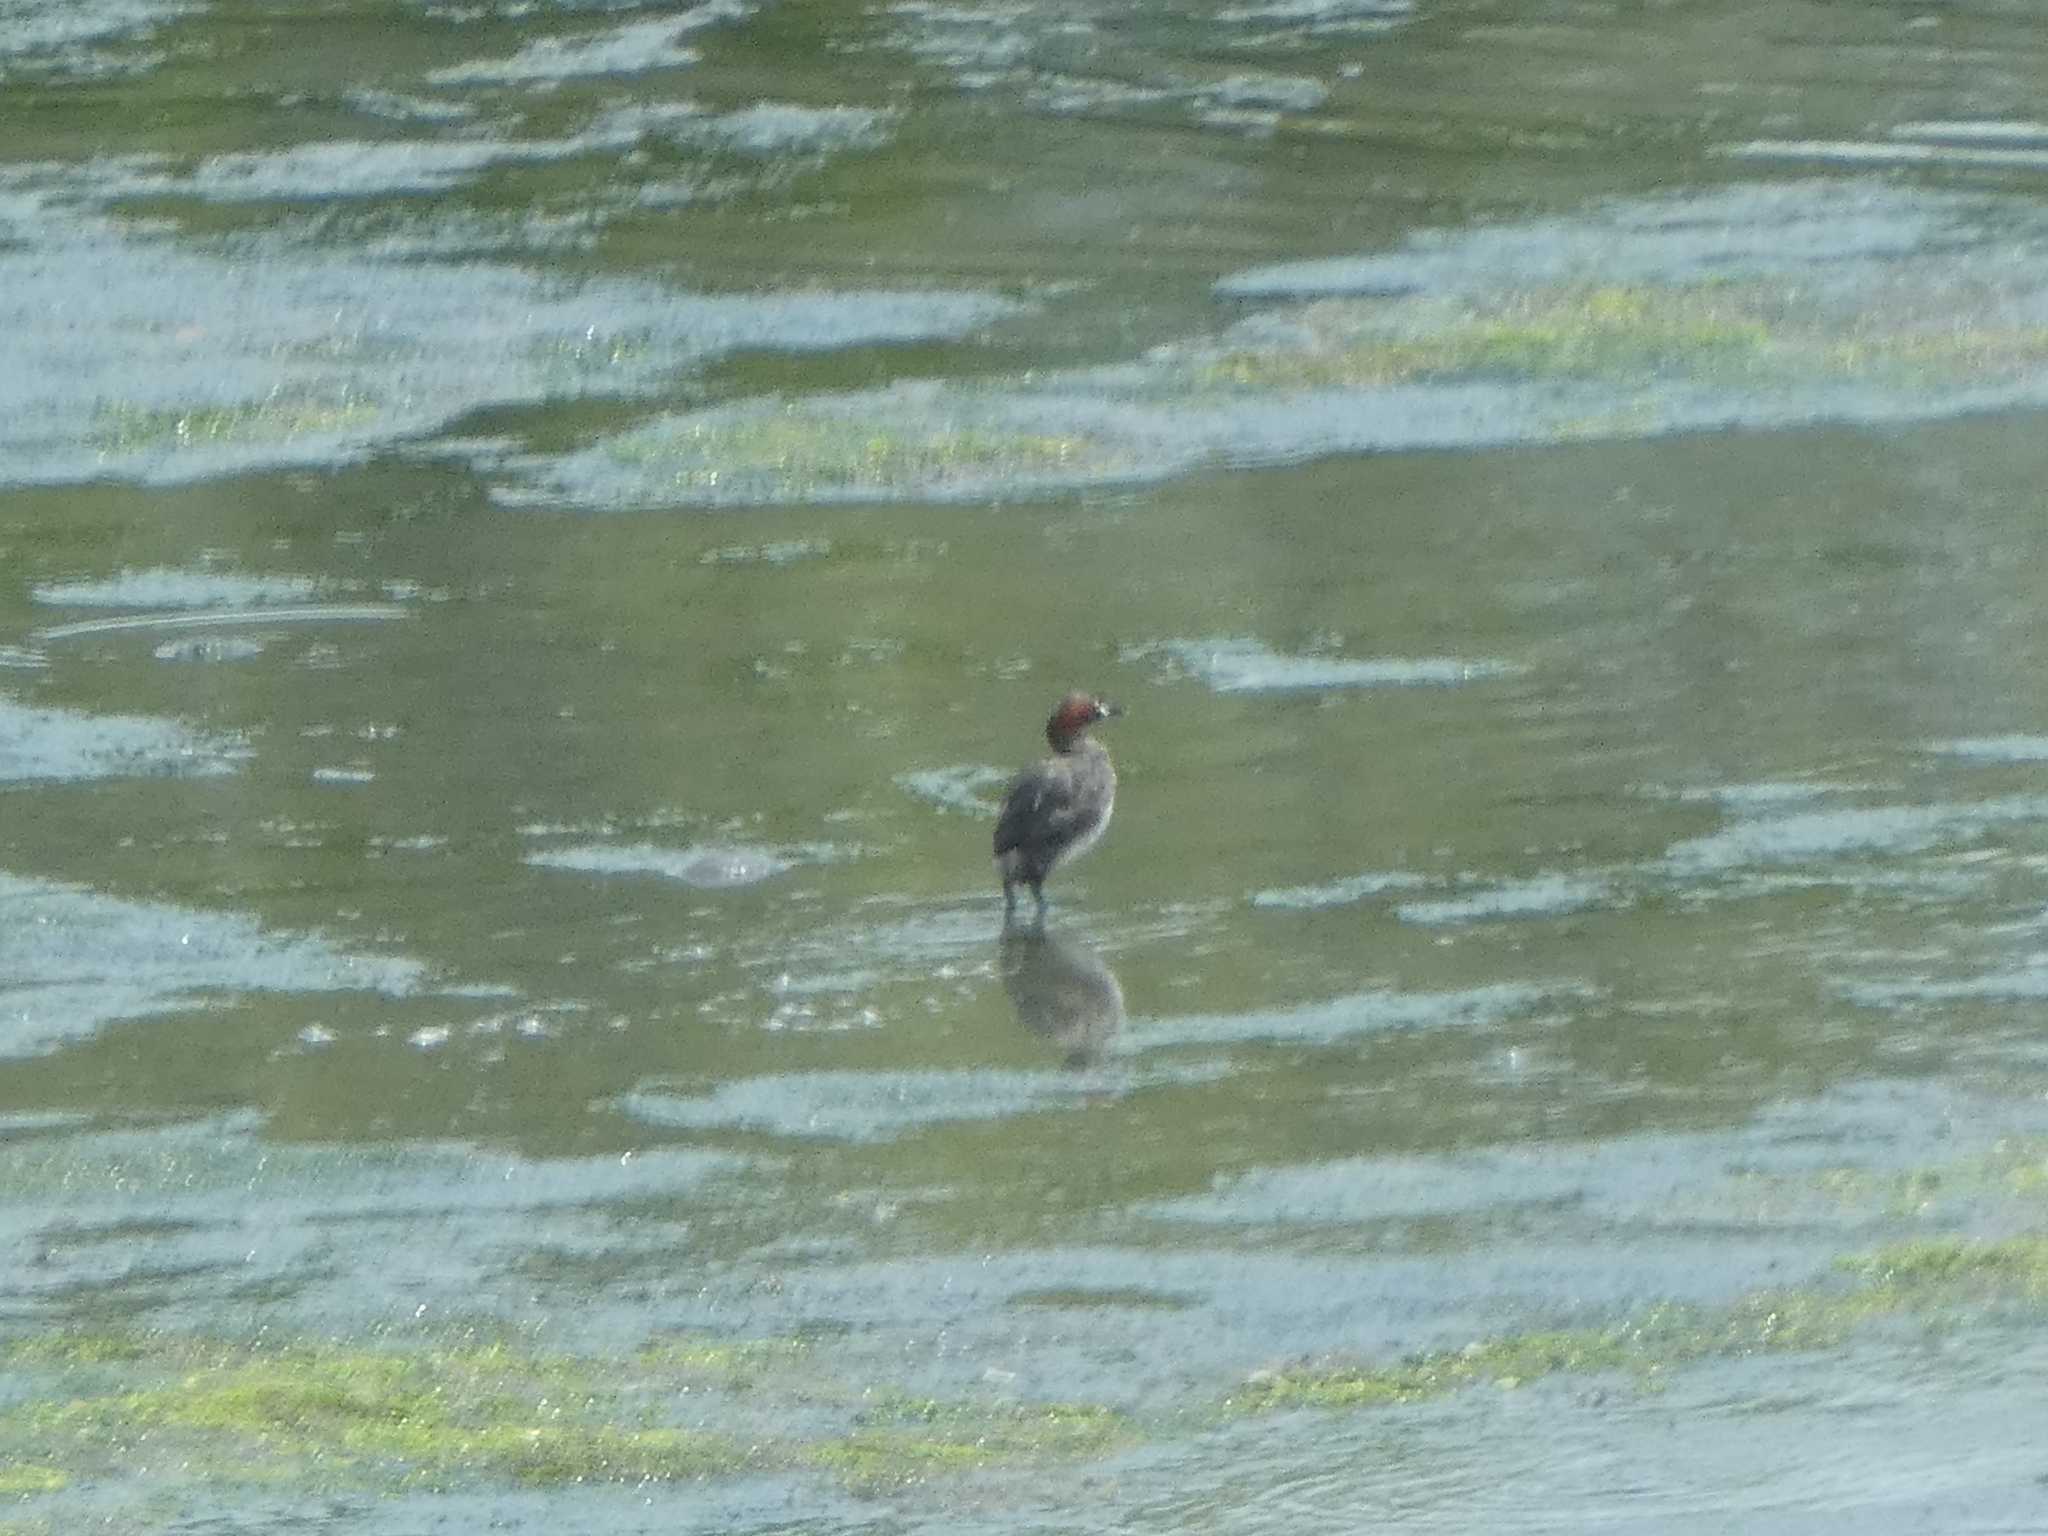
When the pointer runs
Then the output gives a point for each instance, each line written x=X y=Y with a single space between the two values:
x=531 y=539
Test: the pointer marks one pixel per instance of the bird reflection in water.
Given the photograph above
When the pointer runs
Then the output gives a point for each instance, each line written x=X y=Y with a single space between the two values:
x=1062 y=990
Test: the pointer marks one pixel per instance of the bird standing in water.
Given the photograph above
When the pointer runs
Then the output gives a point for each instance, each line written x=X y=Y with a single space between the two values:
x=1056 y=810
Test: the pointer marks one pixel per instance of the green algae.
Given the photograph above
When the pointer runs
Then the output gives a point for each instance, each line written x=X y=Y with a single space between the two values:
x=1718 y=332
x=1965 y=351
x=2013 y=1168
x=25 y=1478
x=1561 y=361
x=252 y=1413
x=1632 y=338
x=327 y=1414
x=69 y=1348
x=581 y=356
x=1576 y=333
x=133 y=428
x=1644 y=1348
x=874 y=1460
x=736 y=1365
x=1949 y=1269
x=1926 y=1277
x=901 y=1440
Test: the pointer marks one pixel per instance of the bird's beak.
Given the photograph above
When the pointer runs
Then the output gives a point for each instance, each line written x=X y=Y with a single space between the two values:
x=1104 y=709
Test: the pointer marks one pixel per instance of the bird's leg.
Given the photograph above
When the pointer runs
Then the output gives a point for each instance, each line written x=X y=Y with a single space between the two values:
x=1038 y=895
x=1009 y=897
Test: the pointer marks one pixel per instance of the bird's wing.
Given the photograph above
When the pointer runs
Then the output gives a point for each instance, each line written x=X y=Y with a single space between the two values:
x=1039 y=806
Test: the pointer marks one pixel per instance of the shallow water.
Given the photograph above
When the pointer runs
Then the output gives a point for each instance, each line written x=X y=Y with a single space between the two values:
x=531 y=540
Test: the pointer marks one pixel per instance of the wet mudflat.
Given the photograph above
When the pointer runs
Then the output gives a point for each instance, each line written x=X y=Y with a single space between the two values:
x=530 y=543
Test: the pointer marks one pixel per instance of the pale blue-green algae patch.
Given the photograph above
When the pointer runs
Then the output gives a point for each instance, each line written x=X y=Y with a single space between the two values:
x=180 y=363
x=971 y=789
x=735 y=152
x=633 y=47
x=69 y=746
x=864 y=1107
x=708 y=867
x=1358 y=1014
x=1245 y=69
x=1776 y=837
x=73 y=961
x=84 y=39
x=1749 y=306
x=165 y=587
x=909 y=441
x=1240 y=665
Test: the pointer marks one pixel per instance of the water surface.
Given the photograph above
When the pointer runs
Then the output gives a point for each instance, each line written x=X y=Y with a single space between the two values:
x=530 y=542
